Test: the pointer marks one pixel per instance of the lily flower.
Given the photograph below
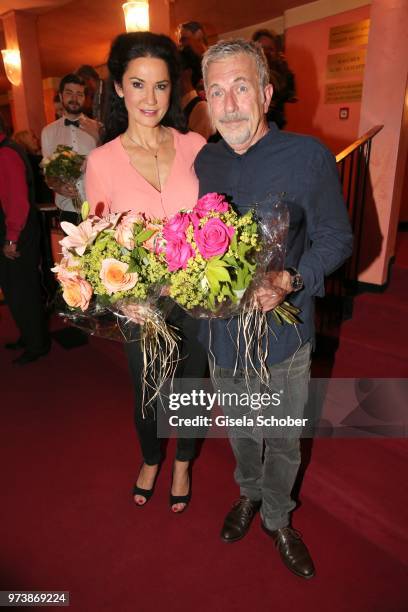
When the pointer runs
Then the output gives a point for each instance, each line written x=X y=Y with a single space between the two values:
x=78 y=236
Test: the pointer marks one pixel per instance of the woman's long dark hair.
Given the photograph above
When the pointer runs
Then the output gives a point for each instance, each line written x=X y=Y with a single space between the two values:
x=125 y=48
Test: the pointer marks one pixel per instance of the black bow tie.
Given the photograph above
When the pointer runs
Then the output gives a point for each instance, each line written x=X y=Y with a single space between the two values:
x=69 y=122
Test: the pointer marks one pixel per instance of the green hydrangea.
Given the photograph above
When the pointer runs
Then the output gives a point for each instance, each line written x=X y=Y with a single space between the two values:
x=150 y=268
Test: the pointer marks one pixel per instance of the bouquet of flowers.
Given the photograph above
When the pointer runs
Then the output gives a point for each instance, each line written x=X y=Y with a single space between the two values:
x=217 y=258
x=110 y=266
x=214 y=255
x=63 y=169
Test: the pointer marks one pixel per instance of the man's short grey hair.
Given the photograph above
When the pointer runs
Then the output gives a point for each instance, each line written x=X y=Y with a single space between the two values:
x=228 y=48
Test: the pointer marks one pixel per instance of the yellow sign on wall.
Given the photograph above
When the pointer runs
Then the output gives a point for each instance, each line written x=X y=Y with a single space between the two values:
x=343 y=92
x=349 y=64
x=350 y=34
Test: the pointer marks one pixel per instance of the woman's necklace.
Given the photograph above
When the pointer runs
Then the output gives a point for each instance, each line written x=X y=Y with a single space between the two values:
x=148 y=149
x=155 y=155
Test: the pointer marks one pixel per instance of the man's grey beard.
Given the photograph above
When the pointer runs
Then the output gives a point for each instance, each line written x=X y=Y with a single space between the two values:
x=234 y=138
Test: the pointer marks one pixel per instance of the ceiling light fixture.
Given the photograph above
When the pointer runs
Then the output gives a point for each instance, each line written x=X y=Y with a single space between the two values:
x=12 y=65
x=136 y=16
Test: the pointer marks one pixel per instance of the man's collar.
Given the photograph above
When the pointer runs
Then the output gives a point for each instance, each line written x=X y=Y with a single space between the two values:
x=2 y=137
x=77 y=118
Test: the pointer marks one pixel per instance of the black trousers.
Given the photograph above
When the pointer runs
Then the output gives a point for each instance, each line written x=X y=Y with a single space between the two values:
x=70 y=216
x=193 y=364
x=19 y=280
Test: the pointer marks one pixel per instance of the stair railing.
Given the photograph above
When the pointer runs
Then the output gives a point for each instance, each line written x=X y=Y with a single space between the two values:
x=353 y=164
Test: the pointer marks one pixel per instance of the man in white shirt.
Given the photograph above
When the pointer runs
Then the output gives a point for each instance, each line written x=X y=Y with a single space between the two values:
x=75 y=130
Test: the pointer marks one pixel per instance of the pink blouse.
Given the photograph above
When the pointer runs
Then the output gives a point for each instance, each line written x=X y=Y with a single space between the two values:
x=112 y=184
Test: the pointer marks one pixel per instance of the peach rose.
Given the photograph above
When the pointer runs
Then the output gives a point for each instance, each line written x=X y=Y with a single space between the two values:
x=124 y=230
x=155 y=243
x=115 y=277
x=124 y=236
x=77 y=292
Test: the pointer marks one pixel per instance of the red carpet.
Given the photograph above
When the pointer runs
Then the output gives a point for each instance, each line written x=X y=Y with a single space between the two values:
x=401 y=250
x=69 y=457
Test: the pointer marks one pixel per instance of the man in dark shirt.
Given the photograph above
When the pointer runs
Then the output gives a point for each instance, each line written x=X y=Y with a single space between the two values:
x=191 y=34
x=19 y=252
x=255 y=159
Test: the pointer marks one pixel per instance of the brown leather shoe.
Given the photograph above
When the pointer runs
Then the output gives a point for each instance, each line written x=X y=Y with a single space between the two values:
x=293 y=551
x=239 y=519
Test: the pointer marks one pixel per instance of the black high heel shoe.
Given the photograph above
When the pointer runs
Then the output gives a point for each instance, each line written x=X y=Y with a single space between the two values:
x=181 y=499
x=146 y=493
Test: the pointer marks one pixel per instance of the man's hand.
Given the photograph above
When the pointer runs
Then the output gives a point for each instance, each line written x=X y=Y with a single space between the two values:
x=273 y=290
x=69 y=191
x=10 y=251
x=90 y=126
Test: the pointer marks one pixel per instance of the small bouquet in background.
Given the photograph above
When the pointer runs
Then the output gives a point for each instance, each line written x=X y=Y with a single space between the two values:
x=62 y=170
x=111 y=269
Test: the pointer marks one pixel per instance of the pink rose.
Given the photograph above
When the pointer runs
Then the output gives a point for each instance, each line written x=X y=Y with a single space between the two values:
x=77 y=292
x=195 y=217
x=214 y=238
x=115 y=277
x=211 y=202
x=176 y=226
x=178 y=252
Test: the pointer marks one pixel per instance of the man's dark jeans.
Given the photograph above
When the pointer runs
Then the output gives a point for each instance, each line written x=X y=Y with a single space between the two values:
x=268 y=458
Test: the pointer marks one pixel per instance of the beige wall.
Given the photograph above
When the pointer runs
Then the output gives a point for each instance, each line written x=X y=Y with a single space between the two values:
x=307 y=49
x=385 y=102
x=21 y=33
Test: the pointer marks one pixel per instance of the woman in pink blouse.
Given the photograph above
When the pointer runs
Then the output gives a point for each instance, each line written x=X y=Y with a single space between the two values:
x=146 y=166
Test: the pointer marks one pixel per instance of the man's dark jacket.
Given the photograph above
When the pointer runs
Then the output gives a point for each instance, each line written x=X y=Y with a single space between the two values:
x=319 y=239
